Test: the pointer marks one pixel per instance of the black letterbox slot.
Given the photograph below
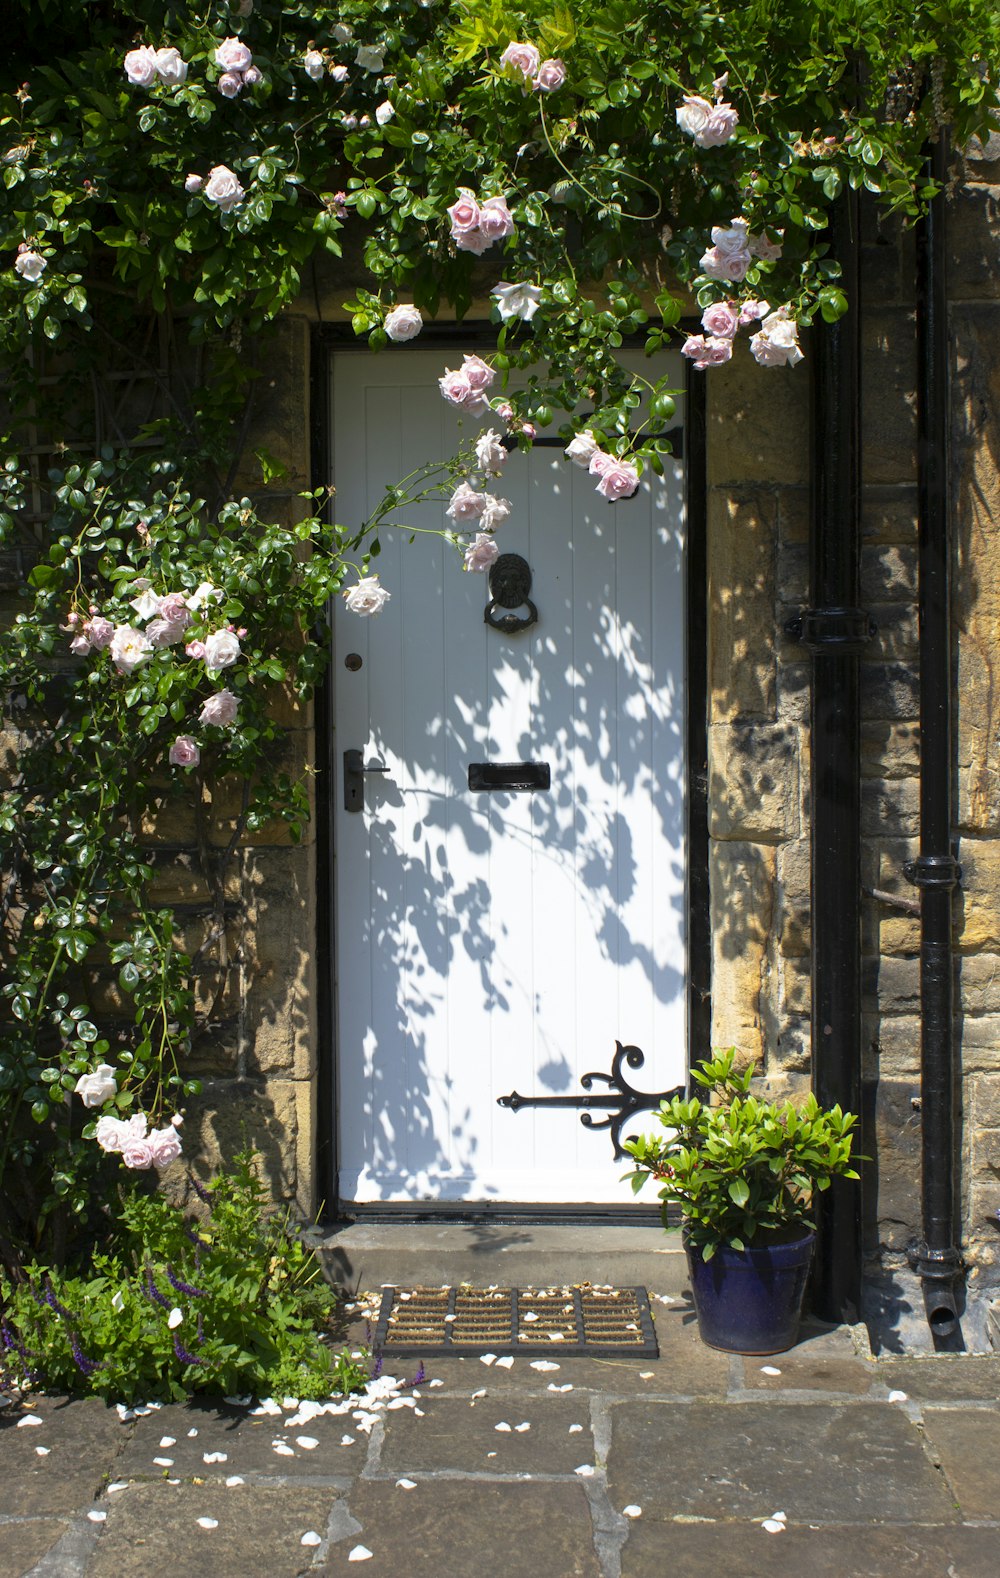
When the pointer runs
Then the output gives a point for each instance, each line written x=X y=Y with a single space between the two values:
x=509 y=775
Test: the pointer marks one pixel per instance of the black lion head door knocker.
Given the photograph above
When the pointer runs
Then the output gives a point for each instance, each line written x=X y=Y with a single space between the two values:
x=510 y=583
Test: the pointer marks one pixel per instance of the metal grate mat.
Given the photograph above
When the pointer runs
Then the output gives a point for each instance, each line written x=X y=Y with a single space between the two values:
x=601 y=1321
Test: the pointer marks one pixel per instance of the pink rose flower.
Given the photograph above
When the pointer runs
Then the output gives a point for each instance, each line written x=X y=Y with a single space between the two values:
x=313 y=64
x=466 y=504
x=97 y=1088
x=339 y=73
x=164 y=1146
x=137 y=1154
x=110 y=1134
x=721 y=319
x=129 y=648
x=495 y=220
x=551 y=75
x=99 y=632
x=230 y=84
x=222 y=648
x=370 y=56
x=710 y=352
x=731 y=266
x=252 y=76
x=403 y=323
x=184 y=752
x=193 y=183
x=777 y=342
x=164 y=633
x=520 y=60
x=516 y=301
x=495 y=513
x=174 y=608
x=233 y=55
x=582 y=448
x=367 y=597
x=79 y=646
x=618 y=480
x=223 y=188
x=753 y=311
x=479 y=373
x=599 y=463
x=472 y=241
x=464 y=212
x=761 y=247
x=171 y=68
x=195 y=649
x=220 y=709
x=481 y=553
x=722 y=122
x=30 y=265
x=491 y=455
x=692 y=114
x=140 y=66
x=455 y=386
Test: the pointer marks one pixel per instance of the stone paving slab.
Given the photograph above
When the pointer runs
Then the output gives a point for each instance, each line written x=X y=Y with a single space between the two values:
x=691 y=1370
x=24 y=1543
x=82 y=1437
x=246 y=1444
x=805 y=1371
x=833 y=1551
x=462 y=1436
x=966 y=1441
x=448 y=1528
x=154 y=1529
x=958 y=1376
x=815 y=1461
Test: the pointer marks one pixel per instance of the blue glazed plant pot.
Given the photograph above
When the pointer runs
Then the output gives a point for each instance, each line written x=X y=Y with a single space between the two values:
x=750 y=1300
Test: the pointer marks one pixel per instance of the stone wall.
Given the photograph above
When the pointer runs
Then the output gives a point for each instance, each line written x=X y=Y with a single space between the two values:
x=759 y=711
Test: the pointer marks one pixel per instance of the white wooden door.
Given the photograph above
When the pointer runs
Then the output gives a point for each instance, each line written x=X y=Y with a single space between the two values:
x=488 y=942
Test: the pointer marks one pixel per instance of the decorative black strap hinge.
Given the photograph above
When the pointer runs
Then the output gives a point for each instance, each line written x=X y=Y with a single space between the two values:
x=832 y=630
x=933 y=871
x=620 y=1107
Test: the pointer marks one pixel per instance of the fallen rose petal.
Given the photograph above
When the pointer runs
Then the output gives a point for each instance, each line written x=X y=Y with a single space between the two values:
x=208 y=1523
x=406 y=1484
x=360 y=1553
x=308 y=1443
x=522 y=1427
x=574 y=1428
x=773 y=1526
x=30 y=1419
x=235 y=1479
x=894 y=1397
x=504 y=1364
x=769 y=1369
x=164 y=1462
x=585 y=1471
x=166 y=1441
x=347 y=1440
x=502 y=1426
x=311 y=1538
x=435 y=1383
x=487 y=1358
x=214 y=1457
x=646 y=1375
x=97 y=1517
x=283 y=1450
x=544 y=1364
x=43 y=1451
x=119 y=1484
x=632 y=1511
x=192 y=1433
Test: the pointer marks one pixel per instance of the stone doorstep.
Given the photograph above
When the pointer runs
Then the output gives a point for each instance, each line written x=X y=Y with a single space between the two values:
x=368 y=1255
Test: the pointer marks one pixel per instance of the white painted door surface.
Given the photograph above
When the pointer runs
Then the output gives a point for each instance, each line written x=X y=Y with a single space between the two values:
x=489 y=942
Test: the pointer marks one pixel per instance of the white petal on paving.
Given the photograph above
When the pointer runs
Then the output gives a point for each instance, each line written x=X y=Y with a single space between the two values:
x=574 y=1428
x=556 y=1336
x=632 y=1511
x=894 y=1397
x=773 y=1526
x=769 y=1369
x=311 y=1538
x=503 y=1426
x=164 y=1462
x=504 y=1364
x=435 y=1383
x=282 y=1450
x=236 y=1479
x=485 y=1358
x=646 y=1375
x=521 y=1428
x=530 y=1315
x=481 y=1393
x=307 y=1443
x=360 y=1553
x=449 y=1318
x=43 y=1451
x=166 y=1441
x=347 y=1440
x=97 y=1517
x=267 y=1406
x=119 y=1484
x=544 y=1364
x=585 y=1471
x=207 y=1523
x=406 y=1484
x=567 y=1386
x=30 y=1419
x=215 y=1457
x=191 y=1434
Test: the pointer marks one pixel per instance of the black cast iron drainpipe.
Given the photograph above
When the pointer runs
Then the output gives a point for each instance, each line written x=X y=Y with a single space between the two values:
x=936 y=872
x=835 y=631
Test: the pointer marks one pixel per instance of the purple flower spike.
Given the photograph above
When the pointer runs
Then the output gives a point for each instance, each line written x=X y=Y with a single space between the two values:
x=153 y=1292
x=200 y=1190
x=84 y=1365
x=53 y=1302
x=377 y=1367
x=183 y=1287
x=184 y=1356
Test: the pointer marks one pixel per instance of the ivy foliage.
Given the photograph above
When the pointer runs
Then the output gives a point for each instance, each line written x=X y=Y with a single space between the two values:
x=346 y=171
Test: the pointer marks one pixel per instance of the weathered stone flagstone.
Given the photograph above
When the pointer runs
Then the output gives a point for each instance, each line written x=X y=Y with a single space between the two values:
x=81 y=1438
x=463 y=1435
x=967 y=1443
x=830 y=1551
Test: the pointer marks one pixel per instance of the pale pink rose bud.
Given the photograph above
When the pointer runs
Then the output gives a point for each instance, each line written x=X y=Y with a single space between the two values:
x=252 y=76
x=464 y=212
x=140 y=66
x=241 y=631
x=466 y=504
x=223 y=188
x=184 y=752
x=99 y=632
x=479 y=373
x=520 y=60
x=233 y=55
x=495 y=219
x=30 y=265
x=79 y=646
x=551 y=75
x=581 y=448
x=528 y=430
x=170 y=67
x=349 y=122
x=720 y=319
x=367 y=597
x=618 y=480
x=339 y=73
x=313 y=64
x=72 y=620
x=403 y=322
x=481 y=553
x=505 y=411
x=137 y=1154
x=720 y=84
x=365 y=122
x=193 y=183
x=230 y=84
x=220 y=709
x=195 y=649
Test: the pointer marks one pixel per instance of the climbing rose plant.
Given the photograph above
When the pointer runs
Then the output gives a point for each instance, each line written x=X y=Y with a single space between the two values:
x=174 y=179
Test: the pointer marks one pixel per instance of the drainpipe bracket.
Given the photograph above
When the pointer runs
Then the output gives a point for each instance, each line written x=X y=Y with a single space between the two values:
x=837 y=631
x=933 y=871
x=938 y=1266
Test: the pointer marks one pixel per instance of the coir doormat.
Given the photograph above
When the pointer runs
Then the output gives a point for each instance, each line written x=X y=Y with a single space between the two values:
x=602 y=1321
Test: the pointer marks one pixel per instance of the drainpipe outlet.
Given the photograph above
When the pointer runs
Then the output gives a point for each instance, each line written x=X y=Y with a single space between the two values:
x=940 y=1271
